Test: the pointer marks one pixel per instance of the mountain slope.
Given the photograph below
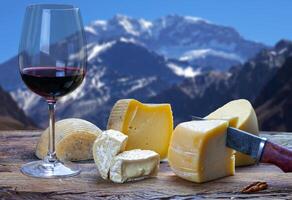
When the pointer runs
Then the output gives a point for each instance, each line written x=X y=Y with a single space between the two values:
x=131 y=59
x=244 y=81
x=195 y=96
x=11 y=116
x=212 y=59
x=9 y=76
x=274 y=104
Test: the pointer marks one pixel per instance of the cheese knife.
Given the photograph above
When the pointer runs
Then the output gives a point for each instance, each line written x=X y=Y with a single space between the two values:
x=261 y=149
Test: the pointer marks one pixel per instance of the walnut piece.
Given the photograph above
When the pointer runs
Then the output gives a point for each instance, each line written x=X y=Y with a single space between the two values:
x=255 y=187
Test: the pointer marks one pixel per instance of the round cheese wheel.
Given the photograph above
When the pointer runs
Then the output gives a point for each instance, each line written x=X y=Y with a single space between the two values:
x=74 y=139
x=247 y=121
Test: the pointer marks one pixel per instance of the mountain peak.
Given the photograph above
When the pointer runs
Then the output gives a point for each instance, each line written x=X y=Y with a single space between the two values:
x=175 y=20
x=190 y=19
x=141 y=22
x=99 y=22
x=119 y=17
x=284 y=43
x=196 y=19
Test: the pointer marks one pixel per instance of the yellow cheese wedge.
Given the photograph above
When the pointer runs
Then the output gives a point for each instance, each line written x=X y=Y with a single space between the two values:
x=74 y=140
x=247 y=121
x=197 y=151
x=148 y=126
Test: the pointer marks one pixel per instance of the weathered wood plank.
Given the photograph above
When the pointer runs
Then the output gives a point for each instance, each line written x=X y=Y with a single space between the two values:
x=17 y=147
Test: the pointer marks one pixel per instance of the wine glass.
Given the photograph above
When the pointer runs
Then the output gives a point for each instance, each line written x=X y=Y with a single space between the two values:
x=52 y=63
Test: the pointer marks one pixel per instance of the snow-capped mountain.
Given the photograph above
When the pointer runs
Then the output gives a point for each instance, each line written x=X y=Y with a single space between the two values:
x=178 y=37
x=136 y=58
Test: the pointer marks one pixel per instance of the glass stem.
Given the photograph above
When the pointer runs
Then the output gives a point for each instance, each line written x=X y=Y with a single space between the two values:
x=51 y=157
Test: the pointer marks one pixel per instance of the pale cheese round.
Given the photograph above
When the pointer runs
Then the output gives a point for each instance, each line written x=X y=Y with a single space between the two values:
x=74 y=139
x=247 y=121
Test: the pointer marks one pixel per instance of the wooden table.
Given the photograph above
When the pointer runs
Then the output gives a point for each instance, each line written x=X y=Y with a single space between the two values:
x=17 y=147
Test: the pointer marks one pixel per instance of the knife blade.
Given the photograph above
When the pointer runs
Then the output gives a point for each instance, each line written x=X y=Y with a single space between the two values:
x=258 y=148
x=245 y=142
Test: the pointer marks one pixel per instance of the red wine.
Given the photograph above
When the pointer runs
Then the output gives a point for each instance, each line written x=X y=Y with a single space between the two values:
x=52 y=82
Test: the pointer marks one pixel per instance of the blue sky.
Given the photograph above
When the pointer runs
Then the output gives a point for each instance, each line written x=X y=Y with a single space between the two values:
x=265 y=21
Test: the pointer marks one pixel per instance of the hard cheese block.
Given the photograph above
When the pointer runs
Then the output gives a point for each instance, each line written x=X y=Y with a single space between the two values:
x=148 y=126
x=134 y=165
x=247 y=121
x=74 y=139
x=197 y=151
x=106 y=147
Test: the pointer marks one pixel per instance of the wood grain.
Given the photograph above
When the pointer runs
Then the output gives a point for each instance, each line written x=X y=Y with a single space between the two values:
x=17 y=147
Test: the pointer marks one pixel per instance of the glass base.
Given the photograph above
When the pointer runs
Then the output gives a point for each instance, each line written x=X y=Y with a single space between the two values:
x=43 y=169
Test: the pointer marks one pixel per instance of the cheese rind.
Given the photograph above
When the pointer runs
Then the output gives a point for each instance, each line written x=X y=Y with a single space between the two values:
x=148 y=126
x=247 y=121
x=198 y=153
x=73 y=137
x=134 y=165
x=106 y=147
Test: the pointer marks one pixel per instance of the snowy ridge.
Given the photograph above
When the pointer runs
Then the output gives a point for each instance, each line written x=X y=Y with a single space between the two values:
x=96 y=49
x=138 y=84
x=146 y=25
x=90 y=29
x=127 y=25
x=196 y=19
x=203 y=53
x=25 y=98
x=130 y=40
x=187 y=72
x=93 y=26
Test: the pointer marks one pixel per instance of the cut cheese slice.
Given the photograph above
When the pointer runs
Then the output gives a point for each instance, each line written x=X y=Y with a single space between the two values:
x=106 y=147
x=247 y=121
x=73 y=138
x=148 y=126
x=197 y=151
x=134 y=165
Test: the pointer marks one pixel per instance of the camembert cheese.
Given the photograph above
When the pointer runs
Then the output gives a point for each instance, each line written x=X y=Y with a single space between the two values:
x=148 y=126
x=106 y=146
x=134 y=165
x=247 y=121
x=74 y=139
x=197 y=151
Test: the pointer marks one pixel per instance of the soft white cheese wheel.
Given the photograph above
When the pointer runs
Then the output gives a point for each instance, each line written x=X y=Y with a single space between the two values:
x=106 y=146
x=134 y=165
x=74 y=140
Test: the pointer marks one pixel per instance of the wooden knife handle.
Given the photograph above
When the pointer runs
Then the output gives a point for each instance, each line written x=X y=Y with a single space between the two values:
x=277 y=155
